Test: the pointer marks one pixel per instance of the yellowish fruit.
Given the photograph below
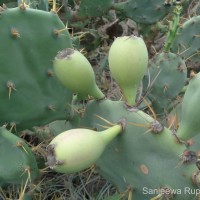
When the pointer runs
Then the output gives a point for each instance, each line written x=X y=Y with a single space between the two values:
x=77 y=149
x=75 y=72
x=128 y=61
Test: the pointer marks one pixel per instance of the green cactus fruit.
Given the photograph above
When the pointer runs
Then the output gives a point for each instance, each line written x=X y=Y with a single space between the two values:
x=128 y=61
x=76 y=149
x=190 y=121
x=75 y=72
x=17 y=160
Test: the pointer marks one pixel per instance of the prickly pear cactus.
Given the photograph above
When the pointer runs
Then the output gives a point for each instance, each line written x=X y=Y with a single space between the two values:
x=30 y=93
x=145 y=11
x=187 y=42
x=94 y=8
x=141 y=157
x=17 y=160
x=190 y=123
x=164 y=68
x=142 y=160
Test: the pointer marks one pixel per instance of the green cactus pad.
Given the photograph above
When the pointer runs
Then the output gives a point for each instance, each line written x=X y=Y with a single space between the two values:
x=30 y=93
x=94 y=8
x=143 y=11
x=137 y=160
x=17 y=160
x=190 y=121
x=170 y=74
x=187 y=41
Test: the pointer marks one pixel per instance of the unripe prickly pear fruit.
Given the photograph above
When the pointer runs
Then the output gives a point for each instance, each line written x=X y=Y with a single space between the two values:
x=75 y=72
x=128 y=61
x=77 y=149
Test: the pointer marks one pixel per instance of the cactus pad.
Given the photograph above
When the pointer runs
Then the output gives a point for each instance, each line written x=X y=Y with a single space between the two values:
x=94 y=8
x=17 y=160
x=30 y=93
x=190 y=122
x=136 y=159
x=170 y=74
x=145 y=11
x=187 y=41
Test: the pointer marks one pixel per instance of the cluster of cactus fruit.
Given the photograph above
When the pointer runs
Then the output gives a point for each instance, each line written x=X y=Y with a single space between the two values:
x=138 y=143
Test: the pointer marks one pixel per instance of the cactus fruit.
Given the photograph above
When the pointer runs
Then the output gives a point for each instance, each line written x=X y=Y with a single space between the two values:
x=165 y=68
x=30 y=93
x=190 y=121
x=75 y=72
x=128 y=61
x=17 y=160
x=77 y=149
x=136 y=161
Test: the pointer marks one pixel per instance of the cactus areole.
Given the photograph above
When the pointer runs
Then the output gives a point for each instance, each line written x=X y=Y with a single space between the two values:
x=76 y=149
x=128 y=61
x=75 y=72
